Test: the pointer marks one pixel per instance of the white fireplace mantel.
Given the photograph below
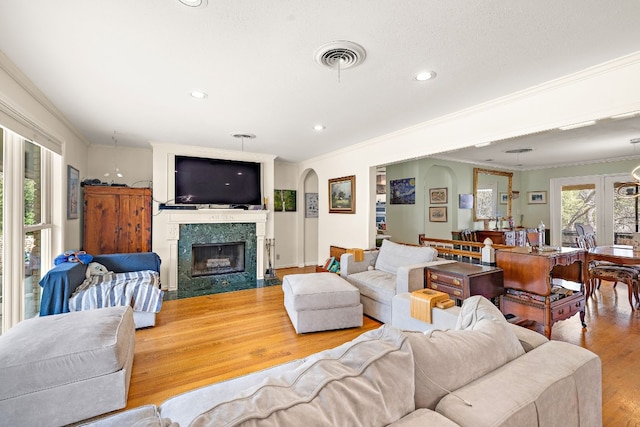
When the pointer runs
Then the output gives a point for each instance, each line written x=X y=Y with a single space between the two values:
x=214 y=216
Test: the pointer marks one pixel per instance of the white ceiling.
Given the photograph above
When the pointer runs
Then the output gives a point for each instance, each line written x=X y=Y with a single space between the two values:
x=129 y=65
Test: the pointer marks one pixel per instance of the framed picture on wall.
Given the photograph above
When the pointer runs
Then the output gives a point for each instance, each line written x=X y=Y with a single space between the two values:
x=342 y=195
x=537 y=197
x=73 y=192
x=438 y=196
x=504 y=198
x=437 y=214
x=403 y=191
x=284 y=200
x=311 y=205
x=465 y=201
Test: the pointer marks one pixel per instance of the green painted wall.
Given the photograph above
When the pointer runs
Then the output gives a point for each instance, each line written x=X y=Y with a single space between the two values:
x=405 y=222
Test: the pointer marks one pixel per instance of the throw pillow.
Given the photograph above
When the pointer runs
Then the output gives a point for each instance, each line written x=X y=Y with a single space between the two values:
x=368 y=381
x=448 y=360
x=393 y=255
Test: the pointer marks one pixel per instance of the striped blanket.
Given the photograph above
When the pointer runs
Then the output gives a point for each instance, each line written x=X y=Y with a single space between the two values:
x=139 y=289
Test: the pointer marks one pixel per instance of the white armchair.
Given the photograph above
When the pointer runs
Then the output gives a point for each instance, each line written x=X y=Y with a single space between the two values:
x=393 y=269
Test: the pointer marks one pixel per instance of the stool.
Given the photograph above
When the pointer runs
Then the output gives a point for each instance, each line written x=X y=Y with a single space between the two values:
x=321 y=302
x=64 y=368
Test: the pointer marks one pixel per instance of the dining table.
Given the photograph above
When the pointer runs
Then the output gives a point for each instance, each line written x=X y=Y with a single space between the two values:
x=617 y=254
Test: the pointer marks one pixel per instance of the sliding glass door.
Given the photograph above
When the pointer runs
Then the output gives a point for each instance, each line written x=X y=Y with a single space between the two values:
x=596 y=200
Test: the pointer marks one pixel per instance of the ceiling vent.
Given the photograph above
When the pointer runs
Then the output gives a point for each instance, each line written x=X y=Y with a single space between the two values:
x=340 y=54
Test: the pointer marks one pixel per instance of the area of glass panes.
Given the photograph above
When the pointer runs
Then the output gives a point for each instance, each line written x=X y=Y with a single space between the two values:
x=578 y=206
x=32 y=240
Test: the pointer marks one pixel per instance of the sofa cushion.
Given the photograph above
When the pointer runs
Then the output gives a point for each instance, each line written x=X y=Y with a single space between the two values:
x=375 y=284
x=368 y=381
x=46 y=352
x=486 y=343
x=555 y=384
x=393 y=255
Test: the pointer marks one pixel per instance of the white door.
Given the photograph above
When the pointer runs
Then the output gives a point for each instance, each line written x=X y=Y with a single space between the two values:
x=588 y=199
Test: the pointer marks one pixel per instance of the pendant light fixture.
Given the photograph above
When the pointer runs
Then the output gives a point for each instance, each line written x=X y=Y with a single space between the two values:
x=116 y=171
x=242 y=136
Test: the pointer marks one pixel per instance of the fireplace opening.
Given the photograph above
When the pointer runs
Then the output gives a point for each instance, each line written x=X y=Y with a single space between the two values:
x=209 y=259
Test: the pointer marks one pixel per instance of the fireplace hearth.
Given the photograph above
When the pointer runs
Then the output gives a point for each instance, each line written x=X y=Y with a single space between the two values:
x=210 y=259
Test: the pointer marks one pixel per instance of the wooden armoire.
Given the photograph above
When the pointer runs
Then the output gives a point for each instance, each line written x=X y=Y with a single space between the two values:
x=117 y=219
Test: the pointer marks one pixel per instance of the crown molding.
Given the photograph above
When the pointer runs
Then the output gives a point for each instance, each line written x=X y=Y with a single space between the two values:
x=32 y=90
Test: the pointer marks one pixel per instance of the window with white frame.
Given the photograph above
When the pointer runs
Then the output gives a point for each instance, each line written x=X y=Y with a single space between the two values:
x=26 y=226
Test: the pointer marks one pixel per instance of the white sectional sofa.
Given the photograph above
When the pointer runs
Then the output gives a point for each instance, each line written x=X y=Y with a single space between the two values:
x=392 y=270
x=480 y=374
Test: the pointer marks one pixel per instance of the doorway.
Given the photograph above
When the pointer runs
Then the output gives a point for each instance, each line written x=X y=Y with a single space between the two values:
x=595 y=200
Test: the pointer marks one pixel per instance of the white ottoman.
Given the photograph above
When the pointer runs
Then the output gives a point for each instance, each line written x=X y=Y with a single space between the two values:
x=61 y=369
x=321 y=302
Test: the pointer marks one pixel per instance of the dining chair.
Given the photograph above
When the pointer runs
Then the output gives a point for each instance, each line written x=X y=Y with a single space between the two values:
x=611 y=272
x=533 y=237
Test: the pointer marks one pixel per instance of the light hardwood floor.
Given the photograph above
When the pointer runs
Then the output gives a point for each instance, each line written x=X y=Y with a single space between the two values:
x=202 y=340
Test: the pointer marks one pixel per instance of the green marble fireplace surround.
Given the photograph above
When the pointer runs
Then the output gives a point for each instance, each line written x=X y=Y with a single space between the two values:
x=214 y=227
x=196 y=234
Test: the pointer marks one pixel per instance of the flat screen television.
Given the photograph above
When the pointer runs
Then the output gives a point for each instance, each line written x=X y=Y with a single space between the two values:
x=200 y=181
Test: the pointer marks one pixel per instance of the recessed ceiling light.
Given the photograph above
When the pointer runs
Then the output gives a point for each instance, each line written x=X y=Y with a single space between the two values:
x=425 y=75
x=194 y=3
x=482 y=144
x=199 y=95
x=577 y=125
x=319 y=128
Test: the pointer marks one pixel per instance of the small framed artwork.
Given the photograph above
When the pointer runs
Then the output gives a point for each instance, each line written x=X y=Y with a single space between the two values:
x=311 y=205
x=403 y=191
x=438 y=196
x=504 y=198
x=437 y=214
x=342 y=195
x=73 y=192
x=284 y=200
x=537 y=197
x=465 y=201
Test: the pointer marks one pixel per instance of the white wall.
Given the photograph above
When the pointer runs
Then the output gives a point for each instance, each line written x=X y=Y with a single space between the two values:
x=598 y=92
x=136 y=164
x=25 y=110
x=285 y=223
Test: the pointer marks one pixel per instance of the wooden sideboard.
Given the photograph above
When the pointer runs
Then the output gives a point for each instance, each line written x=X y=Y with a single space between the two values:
x=517 y=237
x=543 y=287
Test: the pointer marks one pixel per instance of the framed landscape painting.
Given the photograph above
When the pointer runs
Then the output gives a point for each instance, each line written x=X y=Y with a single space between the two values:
x=438 y=196
x=438 y=214
x=342 y=195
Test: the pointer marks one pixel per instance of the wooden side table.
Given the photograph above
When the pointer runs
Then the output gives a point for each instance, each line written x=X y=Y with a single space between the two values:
x=461 y=280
